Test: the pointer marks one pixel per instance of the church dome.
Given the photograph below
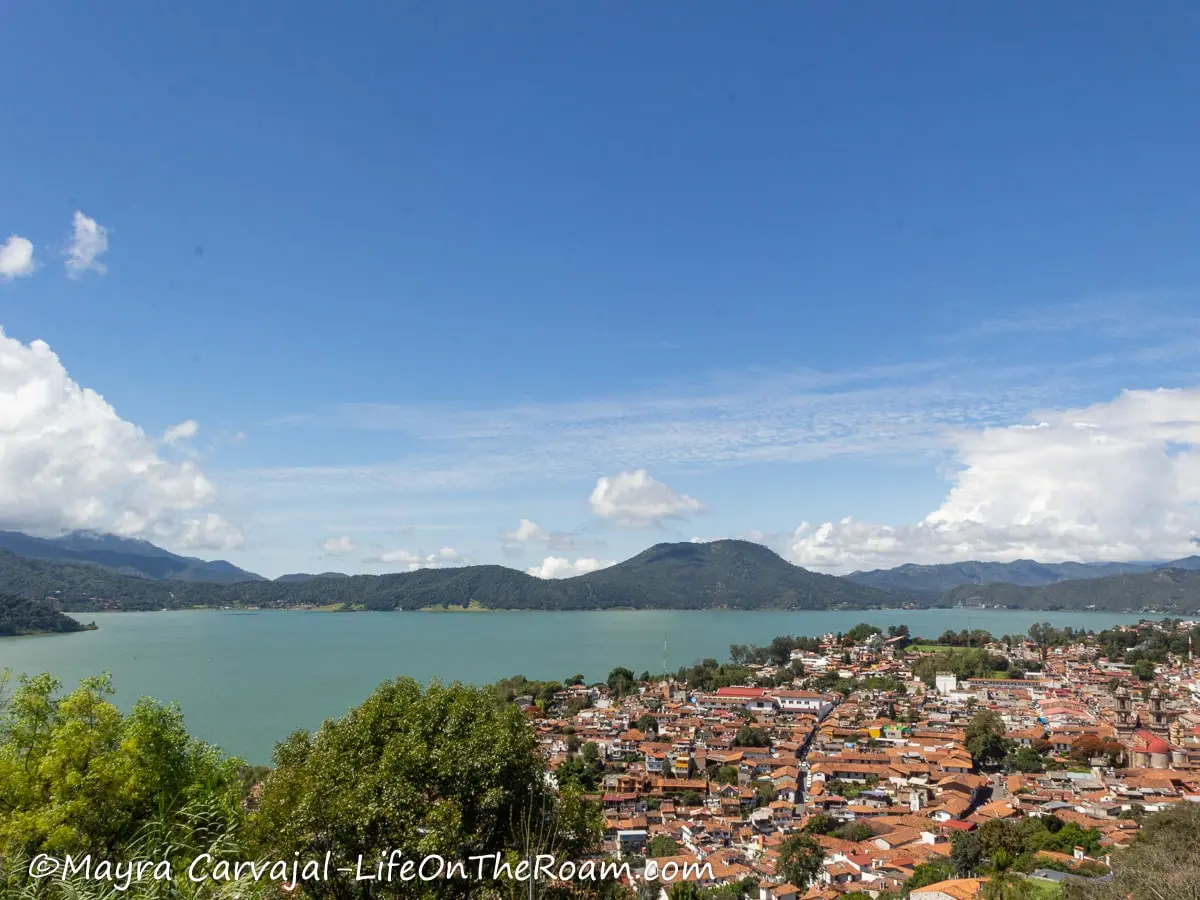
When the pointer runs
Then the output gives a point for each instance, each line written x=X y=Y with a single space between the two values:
x=1145 y=742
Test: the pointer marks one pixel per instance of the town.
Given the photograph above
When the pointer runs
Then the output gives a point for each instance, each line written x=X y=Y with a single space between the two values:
x=876 y=763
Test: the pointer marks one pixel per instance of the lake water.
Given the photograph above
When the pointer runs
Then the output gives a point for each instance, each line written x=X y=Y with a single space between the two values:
x=245 y=680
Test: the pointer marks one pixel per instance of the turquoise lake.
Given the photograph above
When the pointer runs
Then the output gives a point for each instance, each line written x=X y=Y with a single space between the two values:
x=247 y=679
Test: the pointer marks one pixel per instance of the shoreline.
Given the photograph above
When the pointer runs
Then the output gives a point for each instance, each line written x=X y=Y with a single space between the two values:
x=439 y=610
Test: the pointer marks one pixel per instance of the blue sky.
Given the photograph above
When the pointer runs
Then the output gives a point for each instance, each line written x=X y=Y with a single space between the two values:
x=421 y=271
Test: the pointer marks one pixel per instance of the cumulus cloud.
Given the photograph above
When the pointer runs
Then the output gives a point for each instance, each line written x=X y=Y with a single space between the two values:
x=559 y=567
x=419 y=559
x=89 y=240
x=181 y=432
x=526 y=532
x=338 y=545
x=16 y=258
x=68 y=461
x=529 y=533
x=1117 y=480
x=635 y=499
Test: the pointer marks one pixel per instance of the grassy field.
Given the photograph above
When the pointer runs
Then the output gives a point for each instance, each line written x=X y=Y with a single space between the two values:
x=473 y=607
x=1042 y=890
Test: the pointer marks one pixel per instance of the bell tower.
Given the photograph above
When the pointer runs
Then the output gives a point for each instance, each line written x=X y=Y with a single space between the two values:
x=1125 y=720
x=1158 y=717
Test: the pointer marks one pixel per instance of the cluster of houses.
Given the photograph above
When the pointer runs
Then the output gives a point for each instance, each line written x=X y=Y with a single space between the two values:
x=725 y=776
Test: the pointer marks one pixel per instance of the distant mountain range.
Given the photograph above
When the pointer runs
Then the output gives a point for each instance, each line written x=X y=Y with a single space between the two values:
x=1173 y=590
x=939 y=580
x=92 y=572
x=125 y=556
x=722 y=574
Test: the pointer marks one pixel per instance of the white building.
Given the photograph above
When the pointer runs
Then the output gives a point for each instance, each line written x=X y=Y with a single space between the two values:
x=945 y=682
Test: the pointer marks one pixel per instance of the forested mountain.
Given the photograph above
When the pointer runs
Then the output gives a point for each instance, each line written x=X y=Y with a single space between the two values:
x=937 y=580
x=733 y=574
x=1173 y=590
x=124 y=556
x=716 y=575
x=21 y=615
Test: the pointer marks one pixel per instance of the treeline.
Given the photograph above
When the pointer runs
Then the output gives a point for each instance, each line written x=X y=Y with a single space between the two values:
x=719 y=575
x=428 y=770
x=21 y=615
x=1170 y=590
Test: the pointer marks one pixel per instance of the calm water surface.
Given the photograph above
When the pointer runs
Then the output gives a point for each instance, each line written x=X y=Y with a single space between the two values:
x=247 y=679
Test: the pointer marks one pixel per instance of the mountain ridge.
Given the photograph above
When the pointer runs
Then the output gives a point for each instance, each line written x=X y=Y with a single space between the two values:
x=126 y=556
x=942 y=578
x=721 y=574
x=725 y=574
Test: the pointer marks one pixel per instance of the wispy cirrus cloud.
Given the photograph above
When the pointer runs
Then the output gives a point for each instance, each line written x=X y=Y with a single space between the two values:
x=898 y=412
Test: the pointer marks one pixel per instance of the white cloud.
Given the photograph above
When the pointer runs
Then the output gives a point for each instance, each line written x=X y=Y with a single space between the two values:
x=16 y=258
x=635 y=499
x=181 y=432
x=68 y=461
x=1117 y=480
x=413 y=560
x=558 y=567
x=89 y=240
x=529 y=533
x=723 y=420
x=338 y=545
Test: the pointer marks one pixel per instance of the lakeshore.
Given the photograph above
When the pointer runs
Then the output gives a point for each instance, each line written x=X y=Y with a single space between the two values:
x=246 y=679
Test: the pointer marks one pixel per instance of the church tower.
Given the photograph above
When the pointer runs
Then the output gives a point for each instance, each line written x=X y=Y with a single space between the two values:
x=1158 y=717
x=1125 y=720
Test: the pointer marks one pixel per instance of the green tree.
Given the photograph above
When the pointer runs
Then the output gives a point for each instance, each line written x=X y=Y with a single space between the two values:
x=928 y=873
x=1143 y=670
x=647 y=723
x=1001 y=836
x=1024 y=759
x=726 y=775
x=861 y=632
x=853 y=832
x=661 y=845
x=684 y=890
x=821 y=823
x=800 y=859
x=78 y=776
x=985 y=739
x=422 y=770
x=966 y=854
x=621 y=681
x=751 y=737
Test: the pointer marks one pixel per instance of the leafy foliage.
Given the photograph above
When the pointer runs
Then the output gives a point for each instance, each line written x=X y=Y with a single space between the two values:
x=985 y=739
x=1162 y=864
x=966 y=663
x=425 y=770
x=800 y=859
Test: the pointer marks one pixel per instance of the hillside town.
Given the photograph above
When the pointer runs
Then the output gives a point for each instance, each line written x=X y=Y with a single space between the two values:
x=870 y=764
